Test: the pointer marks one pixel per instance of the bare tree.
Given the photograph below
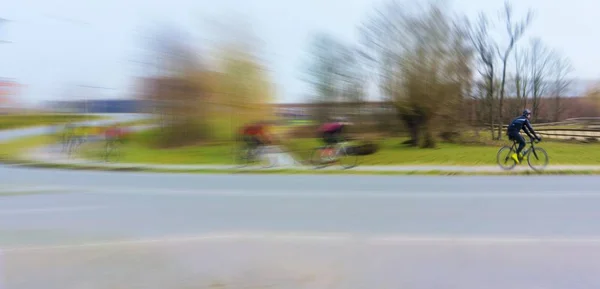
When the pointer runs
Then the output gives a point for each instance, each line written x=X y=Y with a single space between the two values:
x=540 y=60
x=424 y=60
x=560 y=69
x=323 y=72
x=330 y=72
x=515 y=31
x=485 y=48
x=521 y=79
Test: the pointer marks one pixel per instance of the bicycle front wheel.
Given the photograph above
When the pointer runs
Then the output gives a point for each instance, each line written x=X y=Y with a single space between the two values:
x=504 y=160
x=537 y=159
x=347 y=160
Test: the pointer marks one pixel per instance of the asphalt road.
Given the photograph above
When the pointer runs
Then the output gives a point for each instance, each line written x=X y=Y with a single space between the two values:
x=289 y=231
x=84 y=229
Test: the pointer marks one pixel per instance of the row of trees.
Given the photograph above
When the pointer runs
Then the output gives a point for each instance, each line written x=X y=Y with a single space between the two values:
x=430 y=63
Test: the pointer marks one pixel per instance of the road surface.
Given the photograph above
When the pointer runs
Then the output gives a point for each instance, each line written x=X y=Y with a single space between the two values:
x=76 y=228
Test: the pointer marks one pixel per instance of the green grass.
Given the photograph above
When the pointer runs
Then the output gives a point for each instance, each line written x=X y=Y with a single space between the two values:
x=12 y=149
x=391 y=152
x=13 y=121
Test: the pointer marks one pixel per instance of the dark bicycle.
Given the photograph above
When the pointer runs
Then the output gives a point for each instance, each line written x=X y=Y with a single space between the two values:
x=112 y=152
x=532 y=153
x=73 y=143
x=340 y=153
x=244 y=156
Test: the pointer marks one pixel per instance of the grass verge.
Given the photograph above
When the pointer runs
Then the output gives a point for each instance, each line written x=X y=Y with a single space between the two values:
x=12 y=150
x=391 y=152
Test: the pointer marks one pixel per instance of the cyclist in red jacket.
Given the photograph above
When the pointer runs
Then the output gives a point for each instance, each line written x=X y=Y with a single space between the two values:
x=114 y=133
x=256 y=134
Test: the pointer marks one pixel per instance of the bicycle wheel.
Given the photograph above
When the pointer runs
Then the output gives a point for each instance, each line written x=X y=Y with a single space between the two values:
x=346 y=160
x=265 y=159
x=71 y=147
x=112 y=154
x=540 y=159
x=241 y=156
x=504 y=160
x=317 y=159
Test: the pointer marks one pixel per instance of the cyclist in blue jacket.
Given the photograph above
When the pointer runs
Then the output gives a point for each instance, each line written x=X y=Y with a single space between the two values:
x=514 y=133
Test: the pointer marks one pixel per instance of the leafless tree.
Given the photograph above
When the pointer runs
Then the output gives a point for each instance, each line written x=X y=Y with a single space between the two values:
x=560 y=69
x=424 y=62
x=485 y=48
x=540 y=60
x=334 y=73
x=515 y=31
x=521 y=79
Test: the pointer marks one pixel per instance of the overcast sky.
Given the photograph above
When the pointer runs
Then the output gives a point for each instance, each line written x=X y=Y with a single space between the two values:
x=57 y=44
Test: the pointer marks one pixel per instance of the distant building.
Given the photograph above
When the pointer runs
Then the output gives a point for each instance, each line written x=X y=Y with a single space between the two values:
x=99 y=106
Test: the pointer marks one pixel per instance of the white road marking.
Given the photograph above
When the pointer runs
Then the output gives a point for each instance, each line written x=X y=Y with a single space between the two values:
x=328 y=238
x=49 y=210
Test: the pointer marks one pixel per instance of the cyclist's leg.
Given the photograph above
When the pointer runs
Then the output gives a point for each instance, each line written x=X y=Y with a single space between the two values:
x=328 y=141
x=248 y=142
x=254 y=144
x=339 y=136
x=515 y=137
x=519 y=138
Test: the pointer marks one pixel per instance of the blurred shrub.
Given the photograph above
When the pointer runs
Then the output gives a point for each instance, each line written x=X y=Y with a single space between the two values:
x=200 y=105
x=364 y=148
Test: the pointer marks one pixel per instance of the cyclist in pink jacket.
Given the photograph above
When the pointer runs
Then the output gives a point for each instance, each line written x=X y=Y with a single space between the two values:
x=332 y=132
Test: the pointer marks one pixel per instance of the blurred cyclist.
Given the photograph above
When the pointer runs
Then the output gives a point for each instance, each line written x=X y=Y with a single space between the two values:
x=514 y=133
x=332 y=132
x=257 y=134
x=114 y=133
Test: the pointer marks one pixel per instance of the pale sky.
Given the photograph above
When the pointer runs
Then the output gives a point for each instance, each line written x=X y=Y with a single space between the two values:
x=57 y=44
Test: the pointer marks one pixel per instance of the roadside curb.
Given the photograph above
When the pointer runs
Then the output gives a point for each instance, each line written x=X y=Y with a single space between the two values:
x=221 y=169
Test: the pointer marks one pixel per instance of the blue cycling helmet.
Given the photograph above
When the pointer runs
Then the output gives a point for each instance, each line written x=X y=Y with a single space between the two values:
x=526 y=112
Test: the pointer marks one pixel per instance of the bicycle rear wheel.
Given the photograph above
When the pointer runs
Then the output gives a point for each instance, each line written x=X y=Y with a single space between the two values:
x=317 y=159
x=72 y=146
x=503 y=158
x=540 y=159
x=241 y=156
x=265 y=157
x=346 y=160
x=112 y=154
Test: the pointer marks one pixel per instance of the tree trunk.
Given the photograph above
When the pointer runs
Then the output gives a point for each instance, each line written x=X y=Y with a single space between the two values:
x=429 y=140
x=557 y=109
x=501 y=102
x=414 y=128
x=492 y=118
